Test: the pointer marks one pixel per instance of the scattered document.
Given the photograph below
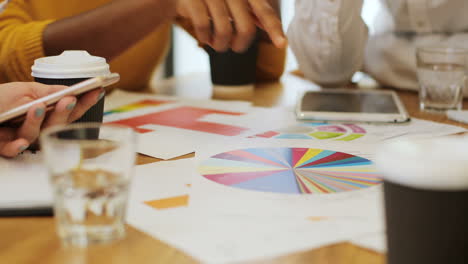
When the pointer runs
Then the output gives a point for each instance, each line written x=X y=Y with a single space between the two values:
x=250 y=182
x=459 y=116
x=374 y=241
x=24 y=182
x=214 y=237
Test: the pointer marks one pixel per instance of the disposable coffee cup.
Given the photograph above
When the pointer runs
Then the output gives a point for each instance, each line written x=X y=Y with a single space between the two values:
x=233 y=74
x=426 y=200
x=69 y=68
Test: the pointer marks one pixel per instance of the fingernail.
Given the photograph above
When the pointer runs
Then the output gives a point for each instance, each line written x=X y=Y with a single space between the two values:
x=71 y=106
x=39 y=112
x=101 y=95
x=23 y=148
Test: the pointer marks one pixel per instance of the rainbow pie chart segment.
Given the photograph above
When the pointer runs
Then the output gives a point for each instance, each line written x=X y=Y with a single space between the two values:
x=290 y=170
x=320 y=131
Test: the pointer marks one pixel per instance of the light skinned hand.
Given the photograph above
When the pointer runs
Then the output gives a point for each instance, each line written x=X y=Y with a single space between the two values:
x=224 y=24
x=15 y=139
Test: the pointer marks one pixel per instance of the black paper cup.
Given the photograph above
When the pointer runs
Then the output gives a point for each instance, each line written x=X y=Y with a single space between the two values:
x=69 y=68
x=233 y=74
x=94 y=114
x=426 y=200
x=426 y=226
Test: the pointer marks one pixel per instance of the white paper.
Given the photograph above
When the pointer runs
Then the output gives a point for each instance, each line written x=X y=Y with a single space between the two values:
x=167 y=142
x=365 y=203
x=459 y=116
x=281 y=124
x=223 y=238
x=120 y=98
x=161 y=180
x=228 y=239
x=421 y=129
x=24 y=182
x=175 y=133
x=355 y=132
x=374 y=241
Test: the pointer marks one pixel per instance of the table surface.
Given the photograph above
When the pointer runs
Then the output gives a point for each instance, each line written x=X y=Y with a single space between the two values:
x=33 y=240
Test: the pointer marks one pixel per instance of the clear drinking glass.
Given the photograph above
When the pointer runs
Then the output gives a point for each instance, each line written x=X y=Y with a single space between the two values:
x=90 y=167
x=441 y=74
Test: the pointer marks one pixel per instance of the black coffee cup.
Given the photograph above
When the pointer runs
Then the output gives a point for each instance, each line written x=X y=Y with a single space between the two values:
x=69 y=68
x=232 y=73
x=426 y=200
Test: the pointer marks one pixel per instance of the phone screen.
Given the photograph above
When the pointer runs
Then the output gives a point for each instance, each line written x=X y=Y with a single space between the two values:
x=349 y=102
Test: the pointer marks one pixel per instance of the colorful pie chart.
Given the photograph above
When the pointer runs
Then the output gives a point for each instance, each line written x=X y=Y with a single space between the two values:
x=320 y=131
x=291 y=170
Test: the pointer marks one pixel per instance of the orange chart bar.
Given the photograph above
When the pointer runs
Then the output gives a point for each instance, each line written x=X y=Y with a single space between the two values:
x=317 y=218
x=169 y=203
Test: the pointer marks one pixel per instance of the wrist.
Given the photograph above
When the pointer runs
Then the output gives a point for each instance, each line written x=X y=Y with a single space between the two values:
x=166 y=5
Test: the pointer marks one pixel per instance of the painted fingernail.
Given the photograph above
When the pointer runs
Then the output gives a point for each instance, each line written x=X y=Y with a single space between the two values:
x=23 y=148
x=101 y=95
x=71 y=106
x=39 y=112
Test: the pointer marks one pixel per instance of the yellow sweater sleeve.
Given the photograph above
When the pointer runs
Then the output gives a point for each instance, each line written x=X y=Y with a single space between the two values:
x=270 y=60
x=20 y=41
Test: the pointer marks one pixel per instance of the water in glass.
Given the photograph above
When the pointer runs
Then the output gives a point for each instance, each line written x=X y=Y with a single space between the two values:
x=441 y=86
x=90 y=205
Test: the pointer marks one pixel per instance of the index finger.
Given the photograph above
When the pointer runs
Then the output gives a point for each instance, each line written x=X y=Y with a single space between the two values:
x=201 y=21
x=270 y=21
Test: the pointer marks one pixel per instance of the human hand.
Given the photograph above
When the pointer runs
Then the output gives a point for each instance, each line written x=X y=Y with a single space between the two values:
x=15 y=139
x=225 y=24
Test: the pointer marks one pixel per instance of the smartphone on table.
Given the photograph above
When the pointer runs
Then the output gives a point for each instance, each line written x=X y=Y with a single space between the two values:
x=383 y=106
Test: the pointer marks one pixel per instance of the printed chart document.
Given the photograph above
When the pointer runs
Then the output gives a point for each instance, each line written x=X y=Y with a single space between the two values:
x=24 y=183
x=158 y=207
x=188 y=125
x=160 y=121
x=374 y=241
x=315 y=179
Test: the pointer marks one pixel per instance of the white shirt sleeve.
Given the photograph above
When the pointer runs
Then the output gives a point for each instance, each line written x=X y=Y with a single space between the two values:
x=328 y=38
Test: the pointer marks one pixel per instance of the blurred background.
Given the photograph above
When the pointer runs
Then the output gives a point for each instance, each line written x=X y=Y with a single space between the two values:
x=186 y=47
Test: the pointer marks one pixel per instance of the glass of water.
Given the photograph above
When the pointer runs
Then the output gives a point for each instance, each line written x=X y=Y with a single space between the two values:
x=441 y=74
x=90 y=167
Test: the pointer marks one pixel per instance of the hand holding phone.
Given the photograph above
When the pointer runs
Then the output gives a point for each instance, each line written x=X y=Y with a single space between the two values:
x=15 y=138
x=75 y=90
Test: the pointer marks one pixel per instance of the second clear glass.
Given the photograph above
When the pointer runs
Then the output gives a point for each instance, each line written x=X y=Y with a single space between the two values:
x=442 y=77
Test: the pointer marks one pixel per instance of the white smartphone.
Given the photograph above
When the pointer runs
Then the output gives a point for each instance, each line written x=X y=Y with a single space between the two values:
x=77 y=89
x=351 y=106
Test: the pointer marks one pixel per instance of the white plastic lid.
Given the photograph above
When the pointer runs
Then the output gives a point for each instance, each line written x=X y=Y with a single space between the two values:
x=435 y=164
x=70 y=64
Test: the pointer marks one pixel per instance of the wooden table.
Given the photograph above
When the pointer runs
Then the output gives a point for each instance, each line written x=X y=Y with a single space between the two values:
x=33 y=240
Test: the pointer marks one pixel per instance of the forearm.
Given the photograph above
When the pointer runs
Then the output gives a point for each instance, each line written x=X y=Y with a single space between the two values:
x=328 y=39
x=108 y=30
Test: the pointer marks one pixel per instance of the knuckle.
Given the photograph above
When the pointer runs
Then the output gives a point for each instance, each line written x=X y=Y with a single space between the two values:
x=245 y=32
x=224 y=33
x=220 y=47
x=238 y=48
x=202 y=26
